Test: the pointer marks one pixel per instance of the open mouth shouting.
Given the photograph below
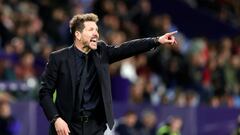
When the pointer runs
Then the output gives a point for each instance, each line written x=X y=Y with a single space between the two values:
x=93 y=43
x=94 y=40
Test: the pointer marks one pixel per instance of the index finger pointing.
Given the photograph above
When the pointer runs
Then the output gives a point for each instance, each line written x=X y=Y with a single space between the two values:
x=172 y=33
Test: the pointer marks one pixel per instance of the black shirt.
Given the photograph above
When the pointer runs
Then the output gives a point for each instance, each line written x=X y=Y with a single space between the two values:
x=91 y=89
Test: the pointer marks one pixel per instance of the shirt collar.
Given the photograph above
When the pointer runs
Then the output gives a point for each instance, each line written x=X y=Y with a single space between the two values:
x=79 y=53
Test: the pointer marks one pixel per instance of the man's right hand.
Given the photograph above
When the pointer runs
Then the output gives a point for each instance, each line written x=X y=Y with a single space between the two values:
x=61 y=127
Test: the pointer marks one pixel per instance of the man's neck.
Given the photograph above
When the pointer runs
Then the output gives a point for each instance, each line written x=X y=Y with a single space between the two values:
x=83 y=48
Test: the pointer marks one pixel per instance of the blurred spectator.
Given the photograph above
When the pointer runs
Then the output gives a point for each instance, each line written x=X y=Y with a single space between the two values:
x=172 y=127
x=126 y=125
x=236 y=131
x=215 y=102
x=8 y=124
x=25 y=69
x=149 y=120
x=137 y=91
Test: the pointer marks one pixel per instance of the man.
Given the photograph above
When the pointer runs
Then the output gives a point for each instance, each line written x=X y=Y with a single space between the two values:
x=8 y=124
x=80 y=76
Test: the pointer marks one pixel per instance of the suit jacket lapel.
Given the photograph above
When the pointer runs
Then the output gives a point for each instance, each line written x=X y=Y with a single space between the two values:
x=97 y=62
x=104 y=80
x=73 y=70
x=101 y=75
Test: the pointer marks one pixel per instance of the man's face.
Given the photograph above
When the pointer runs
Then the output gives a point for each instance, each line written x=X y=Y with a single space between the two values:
x=90 y=35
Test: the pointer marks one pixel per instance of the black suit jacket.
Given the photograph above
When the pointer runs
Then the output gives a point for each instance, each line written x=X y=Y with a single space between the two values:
x=60 y=71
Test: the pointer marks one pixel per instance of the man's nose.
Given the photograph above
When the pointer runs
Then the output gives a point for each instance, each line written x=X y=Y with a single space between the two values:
x=96 y=34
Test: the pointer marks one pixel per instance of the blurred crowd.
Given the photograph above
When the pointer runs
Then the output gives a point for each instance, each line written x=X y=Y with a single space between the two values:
x=146 y=124
x=227 y=11
x=196 y=71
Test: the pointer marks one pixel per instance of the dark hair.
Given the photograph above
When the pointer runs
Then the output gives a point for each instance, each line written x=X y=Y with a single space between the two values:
x=77 y=22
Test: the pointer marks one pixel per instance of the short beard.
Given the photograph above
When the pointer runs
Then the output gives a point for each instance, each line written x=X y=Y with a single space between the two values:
x=85 y=45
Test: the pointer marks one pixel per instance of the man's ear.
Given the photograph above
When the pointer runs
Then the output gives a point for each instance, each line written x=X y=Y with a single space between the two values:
x=78 y=35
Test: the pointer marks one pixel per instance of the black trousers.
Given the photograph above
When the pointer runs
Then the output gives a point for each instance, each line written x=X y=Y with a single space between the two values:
x=91 y=127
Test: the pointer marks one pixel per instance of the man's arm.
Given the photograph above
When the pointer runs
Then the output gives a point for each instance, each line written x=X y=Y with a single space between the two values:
x=138 y=46
x=47 y=87
x=130 y=48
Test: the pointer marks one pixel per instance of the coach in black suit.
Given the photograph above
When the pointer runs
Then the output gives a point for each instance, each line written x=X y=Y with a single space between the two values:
x=80 y=76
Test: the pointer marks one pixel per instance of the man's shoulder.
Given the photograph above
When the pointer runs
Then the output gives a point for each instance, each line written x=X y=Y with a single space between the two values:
x=103 y=45
x=61 y=52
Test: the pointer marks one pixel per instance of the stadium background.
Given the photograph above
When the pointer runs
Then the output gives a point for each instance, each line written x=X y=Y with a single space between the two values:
x=197 y=80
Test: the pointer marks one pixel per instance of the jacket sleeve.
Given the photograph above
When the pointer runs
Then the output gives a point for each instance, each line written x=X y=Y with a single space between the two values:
x=47 y=88
x=130 y=48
